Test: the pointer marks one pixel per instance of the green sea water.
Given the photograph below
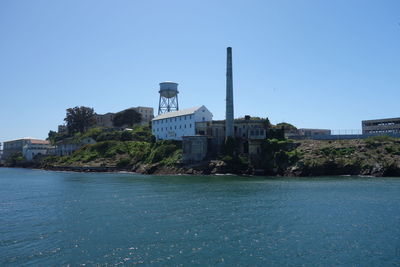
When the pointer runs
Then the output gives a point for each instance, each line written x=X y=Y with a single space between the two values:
x=101 y=219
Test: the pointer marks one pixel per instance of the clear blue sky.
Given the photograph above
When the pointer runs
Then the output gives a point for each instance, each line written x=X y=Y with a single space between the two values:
x=319 y=64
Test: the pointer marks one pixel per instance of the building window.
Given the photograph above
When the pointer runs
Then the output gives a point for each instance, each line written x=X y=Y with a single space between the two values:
x=185 y=126
x=190 y=125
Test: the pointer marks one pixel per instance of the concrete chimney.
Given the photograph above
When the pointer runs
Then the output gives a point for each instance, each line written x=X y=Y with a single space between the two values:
x=229 y=119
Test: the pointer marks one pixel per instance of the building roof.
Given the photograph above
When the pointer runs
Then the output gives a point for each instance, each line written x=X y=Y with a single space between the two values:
x=37 y=141
x=177 y=113
x=168 y=82
x=312 y=129
x=241 y=120
x=32 y=140
x=383 y=120
x=113 y=113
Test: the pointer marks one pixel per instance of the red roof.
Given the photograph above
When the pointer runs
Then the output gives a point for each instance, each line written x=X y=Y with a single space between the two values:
x=38 y=141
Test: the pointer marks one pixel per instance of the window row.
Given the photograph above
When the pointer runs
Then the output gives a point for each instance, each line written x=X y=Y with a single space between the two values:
x=171 y=128
x=173 y=119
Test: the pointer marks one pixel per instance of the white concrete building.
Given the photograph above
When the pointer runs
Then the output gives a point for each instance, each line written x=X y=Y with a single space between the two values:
x=17 y=146
x=173 y=125
x=34 y=148
x=381 y=126
x=67 y=146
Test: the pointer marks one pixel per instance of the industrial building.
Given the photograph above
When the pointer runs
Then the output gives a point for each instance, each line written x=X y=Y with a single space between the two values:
x=176 y=124
x=201 y=135
x=390 y=125
x=249 y=132
x=244 y=129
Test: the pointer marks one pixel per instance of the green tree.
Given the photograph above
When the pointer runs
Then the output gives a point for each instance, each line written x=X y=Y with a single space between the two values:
x=15 y=159
x=230 y=147
x=79 y=119
x=286 y=126
x=52 y=136
x=127 y=117
x=267 y=123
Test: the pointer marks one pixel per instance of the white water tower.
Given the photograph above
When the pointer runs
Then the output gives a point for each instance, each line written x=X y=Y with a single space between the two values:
x=168 y=97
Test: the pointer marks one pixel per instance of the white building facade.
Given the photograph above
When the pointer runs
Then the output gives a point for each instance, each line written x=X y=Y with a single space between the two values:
x=173 y=125
x=18 y=145
x=35 y=148
x=67 y=146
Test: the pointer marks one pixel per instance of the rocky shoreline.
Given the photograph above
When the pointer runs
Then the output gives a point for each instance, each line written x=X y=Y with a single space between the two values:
x=216 y=167
x=379 y=157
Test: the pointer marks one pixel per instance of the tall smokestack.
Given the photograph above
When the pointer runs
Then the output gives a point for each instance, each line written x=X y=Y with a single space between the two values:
x=229 y=132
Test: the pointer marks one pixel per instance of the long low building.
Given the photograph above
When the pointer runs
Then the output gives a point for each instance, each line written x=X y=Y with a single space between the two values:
x=176 y=124
x=390 y=125
x=30 y=147
x=304 y=133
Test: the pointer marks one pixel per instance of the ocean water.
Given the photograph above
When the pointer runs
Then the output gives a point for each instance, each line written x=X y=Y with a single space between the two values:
x=76 y=219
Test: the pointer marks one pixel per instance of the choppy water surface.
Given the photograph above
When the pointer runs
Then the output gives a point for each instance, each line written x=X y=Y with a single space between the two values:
x=56 y=218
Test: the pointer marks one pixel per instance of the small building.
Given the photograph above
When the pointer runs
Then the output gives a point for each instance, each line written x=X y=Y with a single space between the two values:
x=67 y=146
x=255 y=150
x=381 y=126
x=106 y=120
x=194 y=148
x=176 y=124
x=35 y=148
x=146 y=112
x=62 y=129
